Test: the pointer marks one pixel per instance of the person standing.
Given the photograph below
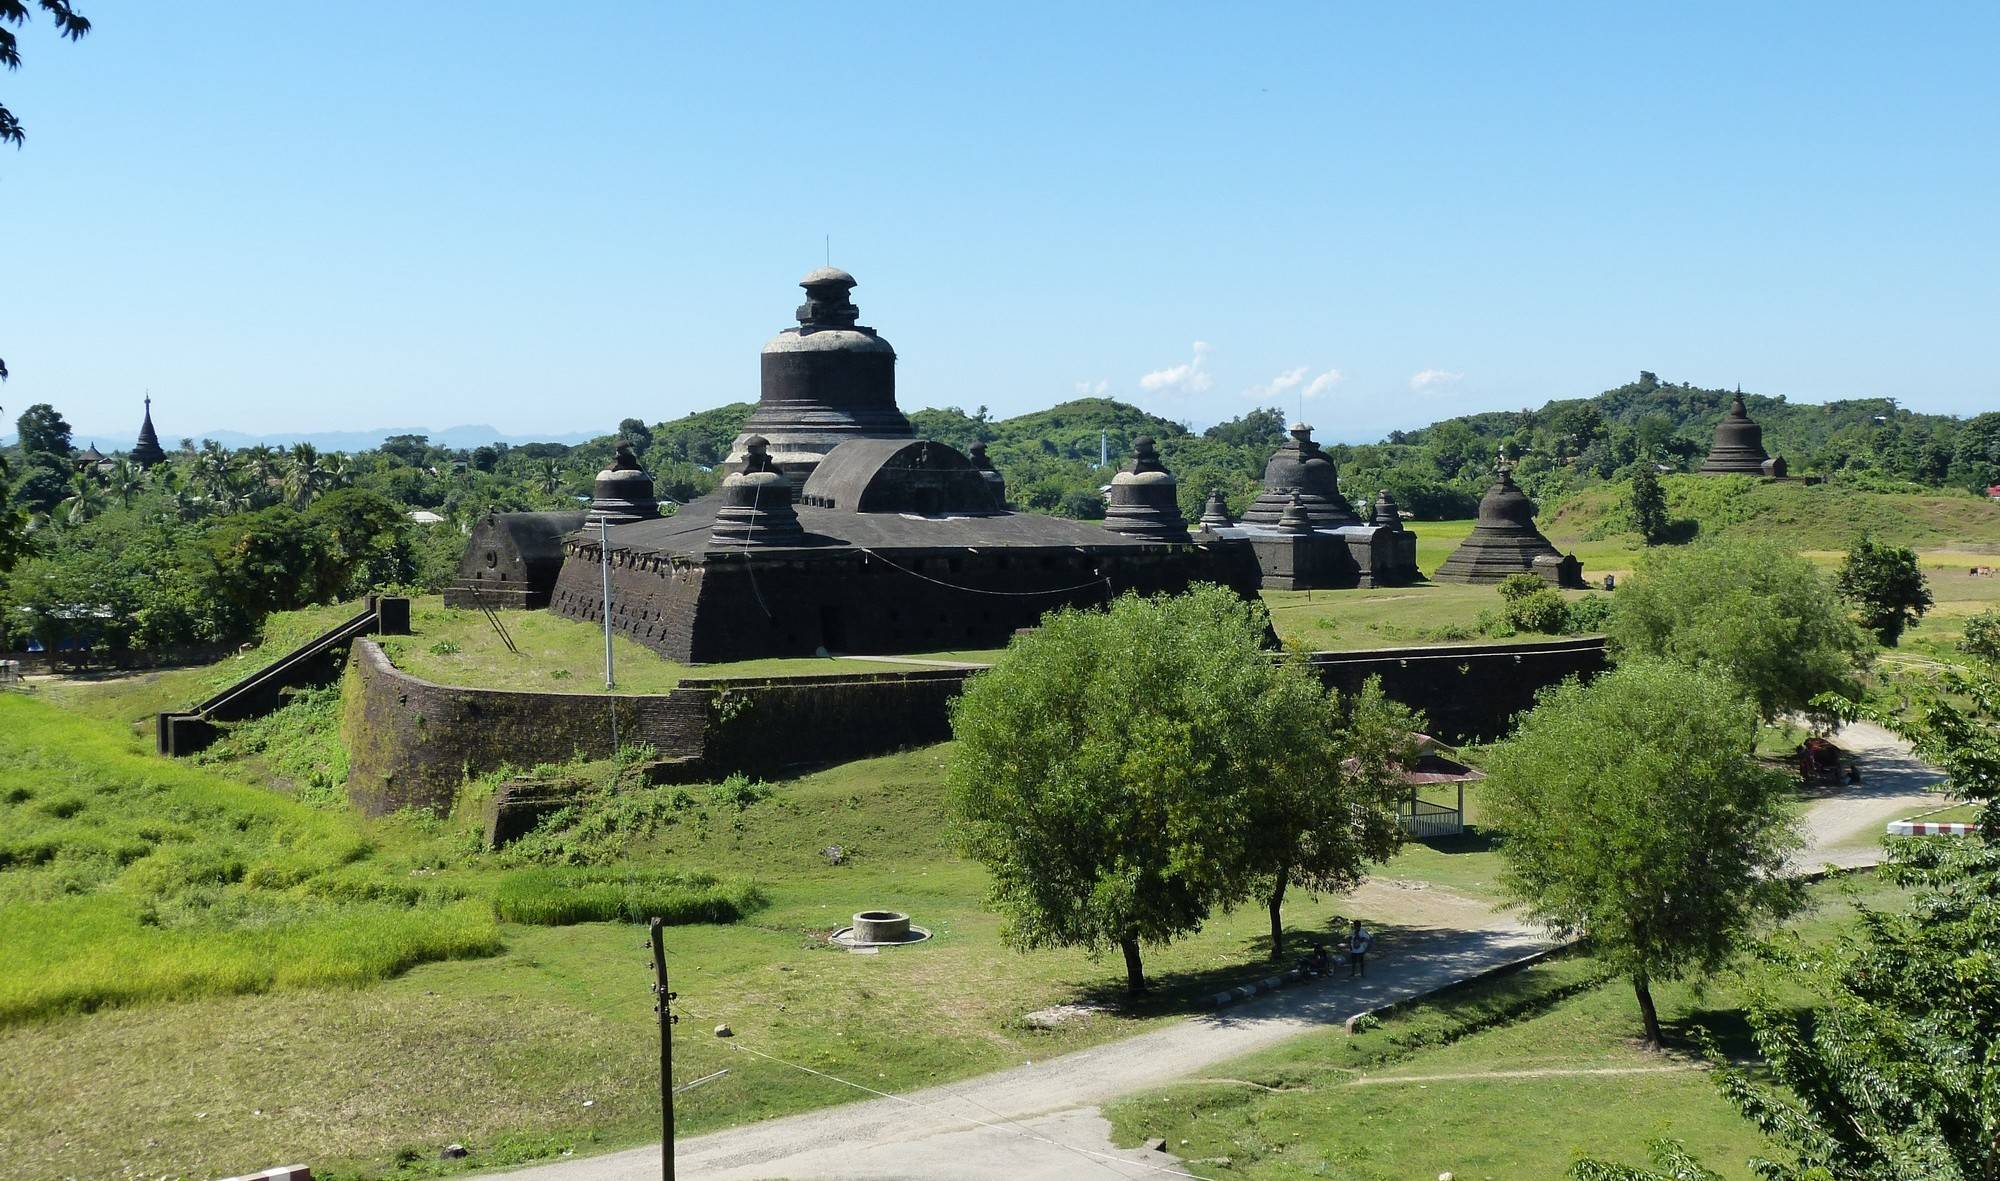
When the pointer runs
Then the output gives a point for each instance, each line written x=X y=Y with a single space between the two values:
x=1358 y=942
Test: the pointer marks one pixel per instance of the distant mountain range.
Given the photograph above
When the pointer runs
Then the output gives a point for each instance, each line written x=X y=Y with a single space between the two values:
x=454 y=437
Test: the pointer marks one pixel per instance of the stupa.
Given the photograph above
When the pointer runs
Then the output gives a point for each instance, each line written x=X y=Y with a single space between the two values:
x=623 y=492
x=1738 y=449
x=1505 y=541
x=1145 y=498
x=1300 y=466
x=824 y=382
x=147 y=451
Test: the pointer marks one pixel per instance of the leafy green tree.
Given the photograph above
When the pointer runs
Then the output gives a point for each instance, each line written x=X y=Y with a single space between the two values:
x=1635 y=813
x=1755 y=612
x=1325 y=807
x=42 y=429
x=1263 y=429
x=1649 y=505
x=1893 y=1073
x=1105 y=764
x=85 y=500
x=1982 y=636
x=1887 y=587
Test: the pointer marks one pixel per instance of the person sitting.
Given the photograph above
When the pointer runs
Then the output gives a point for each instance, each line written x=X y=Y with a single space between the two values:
x=1358 y=942
x=1321 y=963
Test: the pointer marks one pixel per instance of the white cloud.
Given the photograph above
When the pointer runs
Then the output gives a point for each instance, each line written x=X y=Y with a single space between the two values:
x=1092 y=389
x=1188 y=377
x=1426 y=378
x=1278 y=386
x=1323 y=384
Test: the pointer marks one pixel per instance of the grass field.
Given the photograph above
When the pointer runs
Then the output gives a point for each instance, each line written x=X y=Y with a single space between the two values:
x=1512 y=1078
x=502 y=1052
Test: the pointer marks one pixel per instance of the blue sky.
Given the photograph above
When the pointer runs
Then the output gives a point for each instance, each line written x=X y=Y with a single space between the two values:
x=549 y=217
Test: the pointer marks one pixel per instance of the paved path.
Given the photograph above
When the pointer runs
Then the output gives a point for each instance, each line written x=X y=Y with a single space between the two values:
x=1041 y=1122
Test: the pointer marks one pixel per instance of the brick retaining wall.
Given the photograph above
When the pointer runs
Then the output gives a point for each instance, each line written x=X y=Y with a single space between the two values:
x=412 y=742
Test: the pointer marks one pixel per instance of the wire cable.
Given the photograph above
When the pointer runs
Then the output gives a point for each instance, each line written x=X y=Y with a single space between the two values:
x=975 y=590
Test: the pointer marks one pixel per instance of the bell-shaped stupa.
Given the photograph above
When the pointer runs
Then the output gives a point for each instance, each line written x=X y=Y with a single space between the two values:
x=1738 y=449
x=1145 y=498
x=623 y=492
x=1300 y=466
x=824 y=382
x=1505 y=541
x=756 y=503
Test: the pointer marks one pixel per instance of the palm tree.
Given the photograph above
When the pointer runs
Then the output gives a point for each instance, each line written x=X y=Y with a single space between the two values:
x=85 y=499
x=551 y=476
x=304 y=479
x=126 y=480
x=338 y=470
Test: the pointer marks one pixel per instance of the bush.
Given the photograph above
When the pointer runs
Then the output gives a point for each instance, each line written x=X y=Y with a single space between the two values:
x=1589 y=613
x=1982 y=636
x=559 y=897
x=1544 y=611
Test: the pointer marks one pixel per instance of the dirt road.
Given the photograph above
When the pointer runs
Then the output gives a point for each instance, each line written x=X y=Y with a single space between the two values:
x=1041 y=1121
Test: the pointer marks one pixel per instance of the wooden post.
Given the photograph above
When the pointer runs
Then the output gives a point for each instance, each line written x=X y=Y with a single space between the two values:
x=667 y=1020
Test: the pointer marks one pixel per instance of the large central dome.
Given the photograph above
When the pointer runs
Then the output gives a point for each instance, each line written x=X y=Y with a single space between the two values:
x=825 y=382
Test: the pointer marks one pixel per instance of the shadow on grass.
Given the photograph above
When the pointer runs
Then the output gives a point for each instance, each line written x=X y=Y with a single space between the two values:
x=1182 y=992
x=1473 y=840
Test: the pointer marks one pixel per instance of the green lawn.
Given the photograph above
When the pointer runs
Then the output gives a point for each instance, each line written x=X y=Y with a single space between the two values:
x=1389 y=617
x=352 y=1050
x=454 y=646
x=1424 y=1092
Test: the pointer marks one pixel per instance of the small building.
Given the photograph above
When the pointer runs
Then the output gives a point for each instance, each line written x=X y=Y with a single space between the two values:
x=511 y=560
x=1505 y=541
x=424 y=516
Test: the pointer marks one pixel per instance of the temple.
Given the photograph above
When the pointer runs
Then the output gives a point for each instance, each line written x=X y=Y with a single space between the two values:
x=1738 y=449
x=824 y=382
x=147 y=451
x=1504 y=541
x=836 y=530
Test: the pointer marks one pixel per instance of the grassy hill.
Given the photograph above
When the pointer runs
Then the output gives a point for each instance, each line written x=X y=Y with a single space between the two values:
x=1806 y=517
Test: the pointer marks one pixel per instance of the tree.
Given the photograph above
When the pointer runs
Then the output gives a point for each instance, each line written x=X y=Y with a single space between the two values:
x=1263 y=429
x=1887 y=586
x=303 y=478
x=1755 y=612
x=1104 y=767
x=69 y=25
x=637 y=433
x=1982 y=636
x=1533 y=605
x=43 y=430
x=1326 y=806
x=1635 y=814
x=1894 y=1073
x=85 y=499
x=1649 y=505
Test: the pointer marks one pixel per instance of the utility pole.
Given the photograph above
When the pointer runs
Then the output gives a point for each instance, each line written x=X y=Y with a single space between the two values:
x=604 y=563
x=667 y=1020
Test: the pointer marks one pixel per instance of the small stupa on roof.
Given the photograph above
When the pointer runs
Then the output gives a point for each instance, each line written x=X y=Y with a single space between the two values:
x=1505 y=541
x=1145 y=498
x=147 y=451
x=623 y=492
x=1738 y=449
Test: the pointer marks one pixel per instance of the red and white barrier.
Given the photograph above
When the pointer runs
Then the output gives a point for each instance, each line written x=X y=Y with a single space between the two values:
x=1925 y=828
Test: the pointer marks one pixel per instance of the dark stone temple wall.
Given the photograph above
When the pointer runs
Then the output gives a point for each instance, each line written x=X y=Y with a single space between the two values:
x=1471 y=691
x=851 y=602
x=412 y=742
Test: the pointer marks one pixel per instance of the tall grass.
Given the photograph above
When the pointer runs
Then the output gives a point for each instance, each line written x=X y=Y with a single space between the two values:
x=559 y=896
x=127 y=877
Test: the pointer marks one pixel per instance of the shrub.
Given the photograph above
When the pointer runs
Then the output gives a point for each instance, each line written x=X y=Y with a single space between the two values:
x=1543 y=611
x=1589 y=614
x=1982 y=636
x=559 y=897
